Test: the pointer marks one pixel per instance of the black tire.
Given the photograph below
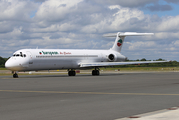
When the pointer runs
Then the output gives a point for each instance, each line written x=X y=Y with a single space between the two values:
x=15 y=75
x=95 y=72
x=71 y=73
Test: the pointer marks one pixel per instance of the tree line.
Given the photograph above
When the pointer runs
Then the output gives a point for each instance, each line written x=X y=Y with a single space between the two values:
x=167 y=64
x=2 y=62
x=164 y=64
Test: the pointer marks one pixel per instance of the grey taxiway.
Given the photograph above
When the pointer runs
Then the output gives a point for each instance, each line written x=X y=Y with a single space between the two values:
x=105 y=97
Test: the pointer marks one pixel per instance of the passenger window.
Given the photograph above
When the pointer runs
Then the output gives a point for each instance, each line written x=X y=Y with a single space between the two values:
x=24 y=55
x=17 y=55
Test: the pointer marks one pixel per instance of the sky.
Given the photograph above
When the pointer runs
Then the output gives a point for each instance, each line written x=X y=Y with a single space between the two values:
x=81 y=24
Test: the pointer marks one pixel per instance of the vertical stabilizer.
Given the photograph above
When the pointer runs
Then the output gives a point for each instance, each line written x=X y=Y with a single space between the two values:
x=118 y=43
x=120 y=38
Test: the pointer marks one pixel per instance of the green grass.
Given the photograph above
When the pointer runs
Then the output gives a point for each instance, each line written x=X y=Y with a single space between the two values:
x=3 y=69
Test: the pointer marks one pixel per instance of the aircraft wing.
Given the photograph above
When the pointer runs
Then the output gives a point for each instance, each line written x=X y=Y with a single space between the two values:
x=103 y=64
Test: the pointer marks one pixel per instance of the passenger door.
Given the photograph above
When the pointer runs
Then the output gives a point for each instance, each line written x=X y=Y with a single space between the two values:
x=30 y=57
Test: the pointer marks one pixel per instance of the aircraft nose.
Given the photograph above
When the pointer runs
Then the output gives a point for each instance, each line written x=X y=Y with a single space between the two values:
x=14 y=64
x=9 y=64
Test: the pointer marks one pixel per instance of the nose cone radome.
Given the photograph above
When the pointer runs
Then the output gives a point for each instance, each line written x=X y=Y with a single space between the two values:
x=16 y=64
x=9 y=64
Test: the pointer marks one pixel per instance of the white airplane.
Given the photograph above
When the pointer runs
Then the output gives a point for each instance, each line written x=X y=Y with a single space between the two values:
x=71 y=59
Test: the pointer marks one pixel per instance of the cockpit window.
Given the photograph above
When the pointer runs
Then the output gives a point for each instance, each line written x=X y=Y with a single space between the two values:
x=19 y=55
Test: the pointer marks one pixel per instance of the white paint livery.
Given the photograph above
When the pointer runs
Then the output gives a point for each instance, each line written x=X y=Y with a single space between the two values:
x=71 y=59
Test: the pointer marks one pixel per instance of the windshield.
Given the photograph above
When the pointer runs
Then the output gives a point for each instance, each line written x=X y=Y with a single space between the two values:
x=19 y=55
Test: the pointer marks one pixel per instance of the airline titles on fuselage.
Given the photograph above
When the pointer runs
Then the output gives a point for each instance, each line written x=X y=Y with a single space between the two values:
x=54 y=53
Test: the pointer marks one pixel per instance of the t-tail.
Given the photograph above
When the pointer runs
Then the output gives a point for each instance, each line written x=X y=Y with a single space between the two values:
x=120 y=38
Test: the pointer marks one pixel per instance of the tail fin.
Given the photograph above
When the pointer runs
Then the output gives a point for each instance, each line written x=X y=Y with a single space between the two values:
x=120 y=38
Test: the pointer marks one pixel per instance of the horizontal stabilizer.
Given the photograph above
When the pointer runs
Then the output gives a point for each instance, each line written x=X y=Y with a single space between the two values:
x=103 y=64
x=126 y=34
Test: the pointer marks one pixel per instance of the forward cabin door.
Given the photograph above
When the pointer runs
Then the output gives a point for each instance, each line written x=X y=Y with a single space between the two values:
x=29 y=55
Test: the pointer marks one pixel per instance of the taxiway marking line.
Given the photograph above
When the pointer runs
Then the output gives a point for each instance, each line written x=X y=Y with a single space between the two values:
x=97 y=93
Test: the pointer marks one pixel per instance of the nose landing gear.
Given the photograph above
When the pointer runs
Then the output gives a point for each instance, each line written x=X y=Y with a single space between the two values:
x=15 y=75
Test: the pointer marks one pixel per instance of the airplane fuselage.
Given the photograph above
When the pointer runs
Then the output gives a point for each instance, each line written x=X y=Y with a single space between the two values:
x=72 y=59
x=53 y=59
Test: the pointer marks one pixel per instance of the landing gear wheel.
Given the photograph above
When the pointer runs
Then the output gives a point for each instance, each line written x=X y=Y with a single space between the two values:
x=95 y=72
x=71 y=73
x=15 y=75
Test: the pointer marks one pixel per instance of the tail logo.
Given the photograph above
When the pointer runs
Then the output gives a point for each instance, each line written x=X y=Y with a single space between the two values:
x=119 y=43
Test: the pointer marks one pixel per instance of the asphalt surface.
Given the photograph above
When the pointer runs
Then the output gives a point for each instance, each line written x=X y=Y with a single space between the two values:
x=105 y=97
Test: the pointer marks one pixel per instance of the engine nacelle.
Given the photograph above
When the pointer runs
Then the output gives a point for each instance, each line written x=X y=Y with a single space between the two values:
x=112 y=57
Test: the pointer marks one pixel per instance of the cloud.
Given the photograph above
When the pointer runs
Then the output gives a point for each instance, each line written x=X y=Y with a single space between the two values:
x=121 y=20
x=11 y=10
x=141 y=45
x=39 y=0
x=81 y=24
x=172 y=1
x=169 y=23
x=176 y=43
x=158 y=7
x=125 y=3
x=56 y=10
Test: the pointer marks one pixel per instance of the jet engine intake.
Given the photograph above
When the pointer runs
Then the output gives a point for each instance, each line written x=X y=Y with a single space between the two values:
x=111 y=57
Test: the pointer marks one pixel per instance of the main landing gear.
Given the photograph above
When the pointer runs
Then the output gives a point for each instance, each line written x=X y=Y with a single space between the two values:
x=15 y=75
x=95 y=72
x=71 y=73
